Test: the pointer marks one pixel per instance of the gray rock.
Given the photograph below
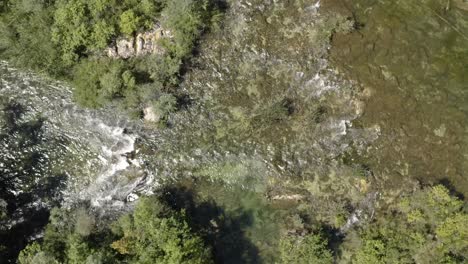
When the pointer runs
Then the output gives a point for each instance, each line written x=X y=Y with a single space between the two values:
x=126 y=48
x=144 y=43
x=112 y=52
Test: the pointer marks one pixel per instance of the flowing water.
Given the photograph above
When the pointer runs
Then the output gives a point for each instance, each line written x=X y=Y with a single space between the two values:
x=264 y=112
x=89 y=147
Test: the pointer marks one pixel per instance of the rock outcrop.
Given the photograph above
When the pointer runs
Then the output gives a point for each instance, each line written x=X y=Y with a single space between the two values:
x=150 y=115
x=142 y=44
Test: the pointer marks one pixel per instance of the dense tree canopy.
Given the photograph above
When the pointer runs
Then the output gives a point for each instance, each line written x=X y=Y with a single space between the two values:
x=308 y=249
x=429 y=226
x=67 y=38
x=153 y=233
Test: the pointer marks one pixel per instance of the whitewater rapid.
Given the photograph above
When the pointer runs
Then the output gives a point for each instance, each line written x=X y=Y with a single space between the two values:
x=93 y=148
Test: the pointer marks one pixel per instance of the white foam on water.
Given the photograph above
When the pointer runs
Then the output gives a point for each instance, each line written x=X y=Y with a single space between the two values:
x=96 y=140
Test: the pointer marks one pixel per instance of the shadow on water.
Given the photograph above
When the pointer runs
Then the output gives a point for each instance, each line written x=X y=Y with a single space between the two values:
x=451 y=187
x=26 y=191
x=31 y=218
x=224 y=231
x=12 y=112
x=16 y=238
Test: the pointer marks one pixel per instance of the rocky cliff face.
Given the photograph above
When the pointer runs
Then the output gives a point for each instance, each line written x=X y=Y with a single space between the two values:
x=142 y=44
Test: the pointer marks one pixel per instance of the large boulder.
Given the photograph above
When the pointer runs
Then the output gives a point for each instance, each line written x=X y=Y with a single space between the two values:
x=151 y=115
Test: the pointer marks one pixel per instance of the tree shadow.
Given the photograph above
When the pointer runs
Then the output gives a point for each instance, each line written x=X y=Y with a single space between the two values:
x=447 y=183
x=335 y=238
x=224 y=232
x=28 y=219
x=11 y=112
x=17 y=237
x=25 y=188
x=183 y=101
x=142 y=77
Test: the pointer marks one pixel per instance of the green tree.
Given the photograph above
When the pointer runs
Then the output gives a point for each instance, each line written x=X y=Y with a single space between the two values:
x=428 y=226
x=311 y=248
x=98 y=81
x=103 y=31
x=111 y=83
x=71 y=29
x=453 y=234
x=25 y=37
x=129 y=22
x=78 y=249
x=184 y=17
x=33 y=254
x=156 y=234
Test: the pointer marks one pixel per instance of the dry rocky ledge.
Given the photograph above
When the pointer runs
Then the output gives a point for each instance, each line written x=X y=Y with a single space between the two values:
x=142 y=44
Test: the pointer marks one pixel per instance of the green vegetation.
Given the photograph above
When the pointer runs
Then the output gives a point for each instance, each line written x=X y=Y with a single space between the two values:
x=268 y=184
x=153 y=233
x=183 y=225
x=67 y=38
x=428 y=226
x=308 y=249
x=164 y=105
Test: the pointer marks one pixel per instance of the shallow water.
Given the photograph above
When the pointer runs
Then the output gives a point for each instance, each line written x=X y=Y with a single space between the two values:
x=412 y=57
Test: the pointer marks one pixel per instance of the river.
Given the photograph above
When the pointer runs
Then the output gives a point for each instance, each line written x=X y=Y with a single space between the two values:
x=272 y=107
x=260 y=116
x=412 y=56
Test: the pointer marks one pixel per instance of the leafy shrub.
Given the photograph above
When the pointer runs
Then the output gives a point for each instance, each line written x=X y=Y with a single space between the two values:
x=166 y=104
x=429 y=226
x=311 y=248
x=128 y=22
